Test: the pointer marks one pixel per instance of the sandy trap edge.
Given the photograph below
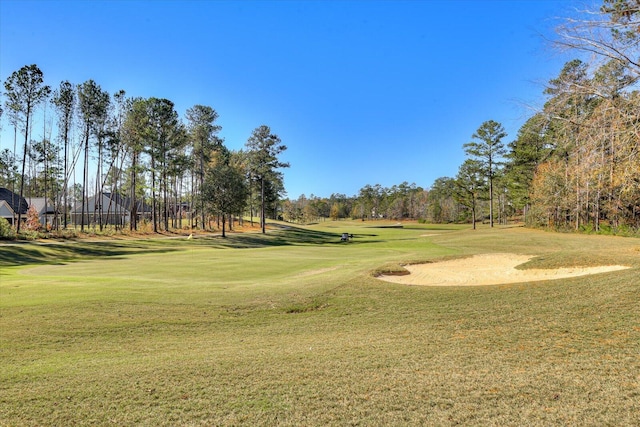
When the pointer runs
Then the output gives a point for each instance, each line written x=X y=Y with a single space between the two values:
x=487 y=269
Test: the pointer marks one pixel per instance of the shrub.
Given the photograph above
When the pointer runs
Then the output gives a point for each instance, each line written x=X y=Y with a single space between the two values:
x=67 y=233
x=6 y=231
x=586 y=228
x=627 y=231
x=606 y=229
x=28 y=235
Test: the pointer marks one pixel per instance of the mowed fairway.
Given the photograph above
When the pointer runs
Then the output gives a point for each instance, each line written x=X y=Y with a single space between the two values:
x=292 y=328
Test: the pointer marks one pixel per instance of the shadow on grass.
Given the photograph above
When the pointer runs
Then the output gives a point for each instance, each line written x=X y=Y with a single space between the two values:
x=280 y=236
x=21 y=254
x=432 y=228
x=59 y=253
x=284 y=236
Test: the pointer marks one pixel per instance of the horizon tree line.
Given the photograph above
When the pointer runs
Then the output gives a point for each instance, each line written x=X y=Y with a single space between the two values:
x=373 y=202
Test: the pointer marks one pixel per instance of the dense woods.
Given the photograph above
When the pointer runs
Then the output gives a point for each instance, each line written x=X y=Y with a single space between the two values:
x=122 y=162
x=575 y=164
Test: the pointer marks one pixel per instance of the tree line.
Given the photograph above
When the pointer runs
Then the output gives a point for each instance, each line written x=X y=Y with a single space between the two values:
x=133 y=153
x=576 y=163
x=403 y=201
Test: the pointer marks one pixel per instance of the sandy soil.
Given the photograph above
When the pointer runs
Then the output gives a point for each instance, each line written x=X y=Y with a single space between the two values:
x=486 y=269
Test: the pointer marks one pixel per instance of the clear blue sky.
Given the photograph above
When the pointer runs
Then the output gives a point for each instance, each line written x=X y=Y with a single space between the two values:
x=361 y=92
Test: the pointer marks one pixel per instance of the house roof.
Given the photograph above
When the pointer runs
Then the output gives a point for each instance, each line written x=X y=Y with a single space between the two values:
x=39 y=204
x=114 y=202
x=126 y=202
x=14 y=201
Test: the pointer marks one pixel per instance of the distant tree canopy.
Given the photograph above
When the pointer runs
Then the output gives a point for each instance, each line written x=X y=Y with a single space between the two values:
x=403 y=201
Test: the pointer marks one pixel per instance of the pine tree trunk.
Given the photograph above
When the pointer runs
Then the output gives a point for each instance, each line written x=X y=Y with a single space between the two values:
x=262 y=206
x=85 y=202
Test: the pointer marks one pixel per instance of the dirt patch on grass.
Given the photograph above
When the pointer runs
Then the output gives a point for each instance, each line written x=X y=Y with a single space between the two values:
x=314 y=272
x=486 y=269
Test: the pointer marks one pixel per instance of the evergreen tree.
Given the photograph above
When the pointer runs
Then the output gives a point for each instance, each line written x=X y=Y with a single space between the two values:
x=93 y=104
x=487 y=148
x=469 y=184
x=263 y=149
x=225 y=190
x=64 y=100
x=25 y=89
x=526 y=153
x=204 y=140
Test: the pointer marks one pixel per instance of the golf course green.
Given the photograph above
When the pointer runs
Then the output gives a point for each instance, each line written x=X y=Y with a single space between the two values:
x=294 y=327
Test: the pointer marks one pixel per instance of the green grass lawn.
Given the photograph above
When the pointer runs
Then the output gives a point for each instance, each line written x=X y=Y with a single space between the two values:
x=292 y=328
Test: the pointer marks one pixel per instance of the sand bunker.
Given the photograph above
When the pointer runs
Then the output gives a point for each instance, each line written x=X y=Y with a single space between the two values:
x=486 y=269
